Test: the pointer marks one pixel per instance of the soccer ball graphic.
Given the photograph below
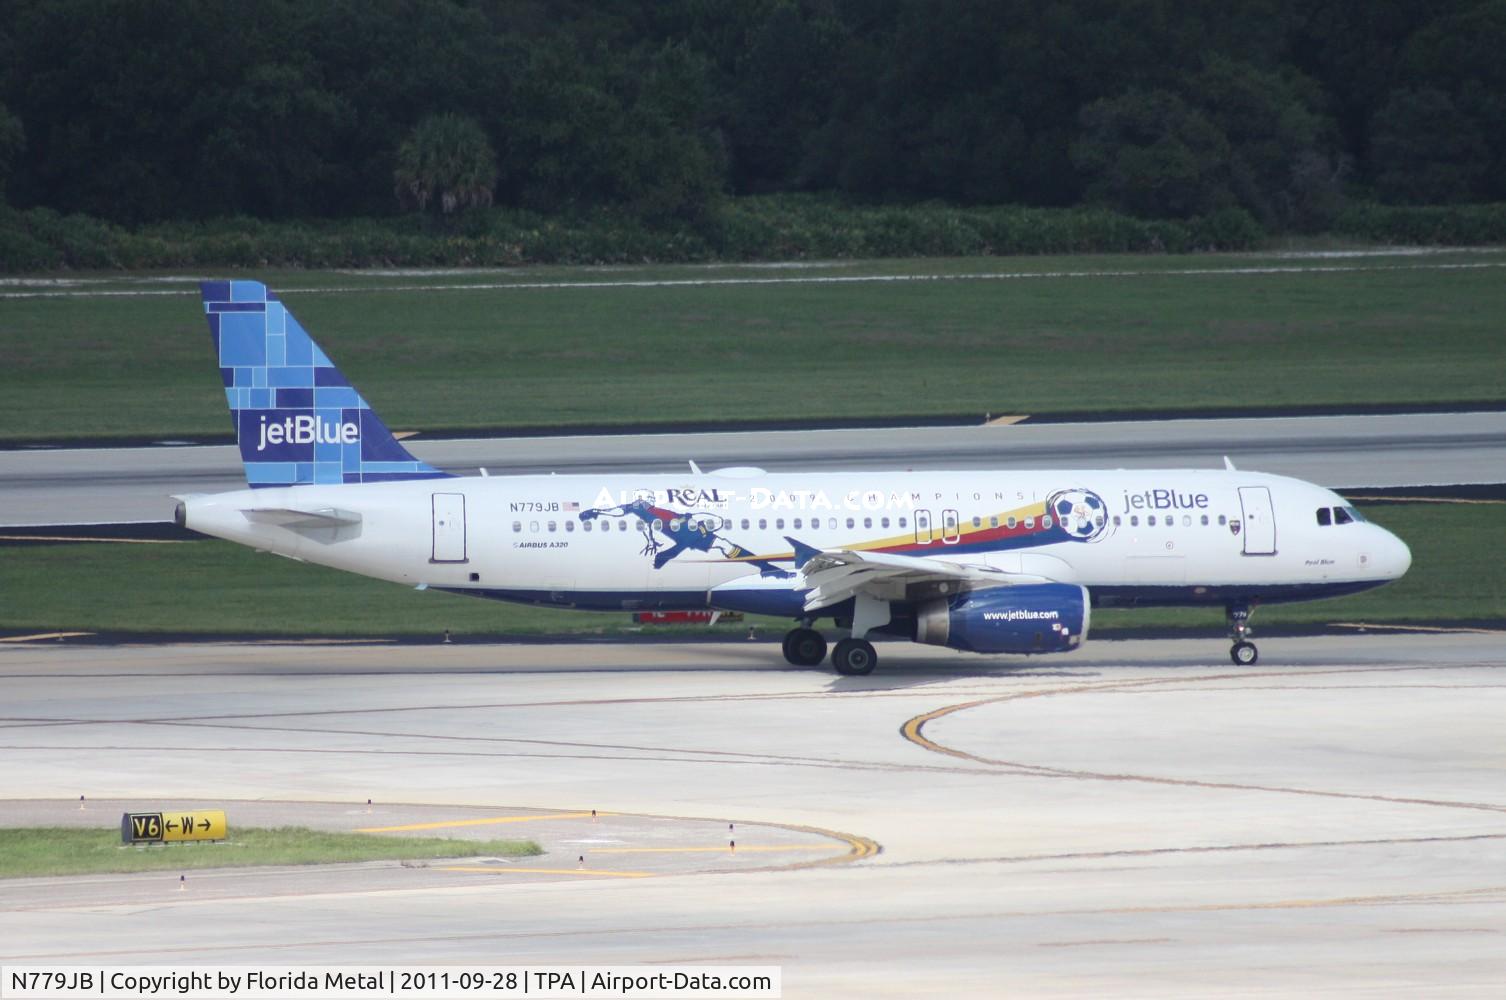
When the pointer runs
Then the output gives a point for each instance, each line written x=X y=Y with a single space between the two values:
x=1081 y=513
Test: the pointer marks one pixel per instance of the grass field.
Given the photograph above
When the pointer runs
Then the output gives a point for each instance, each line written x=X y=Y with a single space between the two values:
x=219 y=587
x=68 y=851
x=129 y=356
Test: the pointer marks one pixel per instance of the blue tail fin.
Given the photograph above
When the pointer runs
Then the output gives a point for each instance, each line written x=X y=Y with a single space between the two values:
x=297 y=419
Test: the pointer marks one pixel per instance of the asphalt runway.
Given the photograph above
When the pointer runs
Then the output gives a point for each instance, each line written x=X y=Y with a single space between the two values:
x=74 y=486
x=1135 y=819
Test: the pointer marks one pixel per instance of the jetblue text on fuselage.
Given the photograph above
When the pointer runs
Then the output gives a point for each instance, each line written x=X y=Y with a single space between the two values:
x=306 y=429
x=1164 y=500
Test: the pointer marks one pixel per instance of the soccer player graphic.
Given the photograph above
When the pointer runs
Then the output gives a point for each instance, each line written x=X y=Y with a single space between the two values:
x=667 y=533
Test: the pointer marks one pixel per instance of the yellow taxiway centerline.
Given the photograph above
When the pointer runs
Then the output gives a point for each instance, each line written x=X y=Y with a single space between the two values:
x=88 y=538
x=488 y=821
x=43 y=635
x=721 y=850
x=1420 y=628
x=545 y=871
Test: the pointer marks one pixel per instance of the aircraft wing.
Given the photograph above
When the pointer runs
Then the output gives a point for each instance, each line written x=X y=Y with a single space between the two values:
x=835 y=575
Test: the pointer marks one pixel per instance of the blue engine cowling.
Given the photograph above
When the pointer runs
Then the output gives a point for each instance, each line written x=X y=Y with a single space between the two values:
x=1030 y=618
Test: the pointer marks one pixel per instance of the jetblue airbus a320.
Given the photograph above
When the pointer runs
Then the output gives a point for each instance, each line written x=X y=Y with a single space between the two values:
x=991 y=562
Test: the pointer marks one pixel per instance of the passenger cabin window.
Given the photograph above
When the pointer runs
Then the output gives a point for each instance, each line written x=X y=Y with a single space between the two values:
x=1341 y=515
x=569 y=525
x=903 y=521
x=763 y=523
x=993 y=521
x=658 y=524
x=585 y=526
x=1205 y=520
x=884 y=522
x=1046 y=521
x=1222 y=520
x=551 y=526
x=1134 y=520
x=1029 y=523
x=797 y=524
x=517 y=526
x=779 y=523
x=745 y=524
x=1151 y=520
x=533 y=526
x=1325 y=516
x=867 y=522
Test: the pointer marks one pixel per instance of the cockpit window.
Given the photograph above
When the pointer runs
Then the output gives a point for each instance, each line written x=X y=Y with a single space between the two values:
x=1354 y=512
x=1341 y=515
x=1325 y=516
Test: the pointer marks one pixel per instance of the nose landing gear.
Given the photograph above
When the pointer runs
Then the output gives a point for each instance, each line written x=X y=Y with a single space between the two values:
x=1243 y=652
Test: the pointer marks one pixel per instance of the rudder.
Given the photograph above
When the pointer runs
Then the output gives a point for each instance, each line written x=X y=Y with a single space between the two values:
x=298 y=420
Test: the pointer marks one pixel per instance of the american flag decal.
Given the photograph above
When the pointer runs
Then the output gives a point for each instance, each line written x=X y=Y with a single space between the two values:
x=571 y=505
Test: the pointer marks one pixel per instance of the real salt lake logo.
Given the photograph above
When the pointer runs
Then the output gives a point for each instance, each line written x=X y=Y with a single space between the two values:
x=306 y=429
x=1081 y=513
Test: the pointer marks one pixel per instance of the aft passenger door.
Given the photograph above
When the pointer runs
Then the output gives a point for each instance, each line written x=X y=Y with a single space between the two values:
x=1260 y=521
x=449 y=528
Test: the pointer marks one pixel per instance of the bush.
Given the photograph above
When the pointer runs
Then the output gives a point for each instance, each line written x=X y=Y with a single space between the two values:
x=771 y=227
x=1424 y=225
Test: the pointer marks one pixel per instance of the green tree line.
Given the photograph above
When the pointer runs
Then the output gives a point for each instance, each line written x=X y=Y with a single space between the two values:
x=143 y=111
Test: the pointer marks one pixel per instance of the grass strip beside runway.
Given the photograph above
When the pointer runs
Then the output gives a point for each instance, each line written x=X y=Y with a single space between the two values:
x=217 y=587
x=129 y=356
x=39 y=851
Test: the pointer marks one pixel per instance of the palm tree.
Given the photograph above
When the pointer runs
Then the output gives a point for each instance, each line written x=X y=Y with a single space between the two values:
x=446 y=160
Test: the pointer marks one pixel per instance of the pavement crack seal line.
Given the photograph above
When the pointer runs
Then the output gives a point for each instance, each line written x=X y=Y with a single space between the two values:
x=866 y=922
x=1153 y=852
x=913 y=731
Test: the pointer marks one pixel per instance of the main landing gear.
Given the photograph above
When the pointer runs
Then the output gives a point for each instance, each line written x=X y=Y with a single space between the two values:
x=1243 y=652
x=854 y=657
x=804 y=647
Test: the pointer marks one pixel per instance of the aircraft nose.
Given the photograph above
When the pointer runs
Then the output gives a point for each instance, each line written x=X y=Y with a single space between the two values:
x=1396 y=556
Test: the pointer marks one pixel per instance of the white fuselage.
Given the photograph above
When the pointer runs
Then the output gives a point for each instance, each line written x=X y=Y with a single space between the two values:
x=1166 y=537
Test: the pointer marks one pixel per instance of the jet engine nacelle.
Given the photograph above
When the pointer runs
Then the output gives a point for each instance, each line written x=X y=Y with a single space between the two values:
x=1030 y=618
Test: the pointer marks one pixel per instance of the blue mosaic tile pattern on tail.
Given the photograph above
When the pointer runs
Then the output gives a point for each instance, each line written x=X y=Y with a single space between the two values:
x=297 y=419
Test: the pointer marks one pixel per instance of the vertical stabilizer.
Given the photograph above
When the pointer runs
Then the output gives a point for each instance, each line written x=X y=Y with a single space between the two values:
x=297 y=419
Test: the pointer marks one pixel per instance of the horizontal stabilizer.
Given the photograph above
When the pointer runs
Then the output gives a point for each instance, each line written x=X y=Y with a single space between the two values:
x=288 y=517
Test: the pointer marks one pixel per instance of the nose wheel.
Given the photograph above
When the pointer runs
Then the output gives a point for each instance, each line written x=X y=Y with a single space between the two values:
x=1243 y=652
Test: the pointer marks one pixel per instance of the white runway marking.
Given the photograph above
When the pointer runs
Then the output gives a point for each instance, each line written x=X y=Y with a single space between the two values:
x=848 y=279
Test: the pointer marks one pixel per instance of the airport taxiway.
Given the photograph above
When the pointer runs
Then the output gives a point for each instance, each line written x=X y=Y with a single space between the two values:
x=89 y=485
x=1139 y=818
